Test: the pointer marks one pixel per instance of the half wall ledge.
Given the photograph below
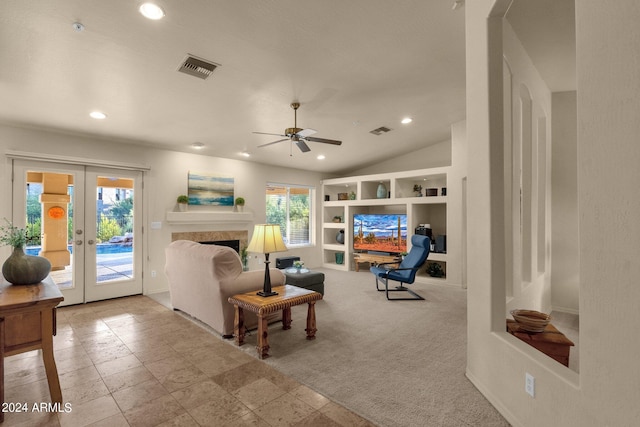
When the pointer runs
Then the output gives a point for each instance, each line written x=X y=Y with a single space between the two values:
x=210 y=217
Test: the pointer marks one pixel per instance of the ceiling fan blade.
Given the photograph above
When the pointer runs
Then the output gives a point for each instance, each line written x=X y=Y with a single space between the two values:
x=302 y=146
x=306 y=132
x=326 y=141
x=274 y=142
x=274 y=134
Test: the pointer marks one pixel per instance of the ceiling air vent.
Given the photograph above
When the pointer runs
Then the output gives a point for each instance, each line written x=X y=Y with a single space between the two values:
x=197 y=67
x=380 y=130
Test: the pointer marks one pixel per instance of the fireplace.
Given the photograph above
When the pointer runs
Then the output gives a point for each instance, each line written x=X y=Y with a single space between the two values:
x=233 y=244
x=235 y=238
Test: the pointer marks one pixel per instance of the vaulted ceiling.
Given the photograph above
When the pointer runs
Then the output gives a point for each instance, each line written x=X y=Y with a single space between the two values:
x=354 y=66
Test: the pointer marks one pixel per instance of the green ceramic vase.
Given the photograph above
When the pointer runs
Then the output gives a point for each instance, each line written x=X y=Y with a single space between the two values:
x=22 y=269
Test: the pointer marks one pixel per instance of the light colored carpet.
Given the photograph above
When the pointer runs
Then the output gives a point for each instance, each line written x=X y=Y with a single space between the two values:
x=397 y=363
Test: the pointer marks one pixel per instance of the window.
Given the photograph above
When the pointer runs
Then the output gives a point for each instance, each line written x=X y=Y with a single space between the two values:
x=291 y=206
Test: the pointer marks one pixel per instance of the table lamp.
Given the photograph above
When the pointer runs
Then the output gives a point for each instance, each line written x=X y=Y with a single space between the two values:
x=266 y=238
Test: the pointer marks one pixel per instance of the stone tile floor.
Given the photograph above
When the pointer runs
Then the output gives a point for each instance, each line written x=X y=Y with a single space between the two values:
x=133 y=362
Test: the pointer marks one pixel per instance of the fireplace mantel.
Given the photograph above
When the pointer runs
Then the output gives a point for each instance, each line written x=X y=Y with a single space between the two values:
x=208 y=217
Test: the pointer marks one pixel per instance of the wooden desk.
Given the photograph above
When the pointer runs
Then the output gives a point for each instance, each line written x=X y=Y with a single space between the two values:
x=551 y=341
x=374 y=259
x=287 y=297
x=28 y=322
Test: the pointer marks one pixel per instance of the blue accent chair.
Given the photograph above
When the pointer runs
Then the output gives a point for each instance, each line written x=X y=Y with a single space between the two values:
x=405 y=273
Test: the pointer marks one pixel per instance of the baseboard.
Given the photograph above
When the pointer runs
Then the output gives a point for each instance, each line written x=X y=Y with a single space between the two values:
x=504 y=411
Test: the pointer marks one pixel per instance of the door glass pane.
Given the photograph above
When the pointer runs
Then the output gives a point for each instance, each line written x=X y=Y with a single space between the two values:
x=49 y=208
x=114 y=245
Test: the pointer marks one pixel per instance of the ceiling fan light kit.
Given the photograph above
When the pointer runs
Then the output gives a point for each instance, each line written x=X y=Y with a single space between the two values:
x=298 y=135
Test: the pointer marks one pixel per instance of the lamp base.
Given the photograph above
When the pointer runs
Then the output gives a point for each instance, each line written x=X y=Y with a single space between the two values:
x=266 y=294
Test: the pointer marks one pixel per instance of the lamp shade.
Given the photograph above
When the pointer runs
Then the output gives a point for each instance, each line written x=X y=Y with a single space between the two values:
x=266 y=239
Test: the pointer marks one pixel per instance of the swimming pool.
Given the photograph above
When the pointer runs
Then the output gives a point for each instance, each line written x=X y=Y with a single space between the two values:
x=101 y=249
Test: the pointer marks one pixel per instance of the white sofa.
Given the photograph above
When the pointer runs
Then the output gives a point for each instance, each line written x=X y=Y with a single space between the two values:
x=203 y=277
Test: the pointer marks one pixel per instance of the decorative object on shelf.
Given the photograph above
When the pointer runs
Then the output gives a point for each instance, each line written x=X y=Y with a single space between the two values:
x=339 y=257
x=343 y=196
x=531 y=320
x=212 y=189
x=239 y=204
x=430 y=192
x=381 y=192
x=443 y=191
x=183 y=203
x=19 y=268
x=298 y=265
x=340 y=237
x=56 y=212
x=266 y=238
x=327 y=198
x=352 y=195
x=417 y=188
x=435 y=270
x=337 y=218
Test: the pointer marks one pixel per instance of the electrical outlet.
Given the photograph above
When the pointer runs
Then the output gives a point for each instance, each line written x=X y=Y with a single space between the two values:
x=530 y=384
x=153 y=273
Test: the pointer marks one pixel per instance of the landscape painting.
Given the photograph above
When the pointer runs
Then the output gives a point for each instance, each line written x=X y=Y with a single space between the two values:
x=211 y=189
x=380 y=233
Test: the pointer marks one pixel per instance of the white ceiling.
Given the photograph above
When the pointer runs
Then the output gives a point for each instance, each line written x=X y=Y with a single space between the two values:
x=354 y=66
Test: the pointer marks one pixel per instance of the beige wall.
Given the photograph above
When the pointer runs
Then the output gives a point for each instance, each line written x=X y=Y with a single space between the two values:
x=527 y=198
x=166 y=179
x=431 y=156
x=606 y=391
x=565 y=264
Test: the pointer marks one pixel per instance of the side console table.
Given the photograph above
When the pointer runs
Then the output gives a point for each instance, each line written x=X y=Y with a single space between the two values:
x=28 y=322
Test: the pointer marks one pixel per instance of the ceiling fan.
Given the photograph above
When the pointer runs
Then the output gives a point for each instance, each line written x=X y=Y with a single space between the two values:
x=297 y=135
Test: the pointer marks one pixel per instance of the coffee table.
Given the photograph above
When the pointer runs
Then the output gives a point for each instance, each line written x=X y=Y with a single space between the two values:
x=287 y=297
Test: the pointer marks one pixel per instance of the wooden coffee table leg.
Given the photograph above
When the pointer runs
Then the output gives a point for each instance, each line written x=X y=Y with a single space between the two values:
x=238 y=326
x=311 y=321
x=263 y=338
x=286 y=318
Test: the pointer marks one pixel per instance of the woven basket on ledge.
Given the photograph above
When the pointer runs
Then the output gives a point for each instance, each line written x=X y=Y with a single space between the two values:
x=531 y=320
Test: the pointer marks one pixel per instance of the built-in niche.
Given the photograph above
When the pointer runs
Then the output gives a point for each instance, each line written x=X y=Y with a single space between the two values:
x=540 y=174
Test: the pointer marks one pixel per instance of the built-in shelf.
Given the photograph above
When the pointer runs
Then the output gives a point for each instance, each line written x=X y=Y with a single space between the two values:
x=208 y=217
x=400 y=197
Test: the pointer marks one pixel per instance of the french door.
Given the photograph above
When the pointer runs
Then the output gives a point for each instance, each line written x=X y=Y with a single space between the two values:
x=86 y=221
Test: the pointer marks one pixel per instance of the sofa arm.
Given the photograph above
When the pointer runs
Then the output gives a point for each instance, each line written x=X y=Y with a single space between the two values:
x=254 y=280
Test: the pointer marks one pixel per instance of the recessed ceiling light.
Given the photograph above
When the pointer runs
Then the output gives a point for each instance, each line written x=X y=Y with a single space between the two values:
x=151 y=11
x=245 y=154
x=98 y=115
x=320 y=157
x=198 y=145
x=406 y=120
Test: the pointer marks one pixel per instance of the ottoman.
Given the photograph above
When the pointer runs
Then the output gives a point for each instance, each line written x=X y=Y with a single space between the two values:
x=307 y=279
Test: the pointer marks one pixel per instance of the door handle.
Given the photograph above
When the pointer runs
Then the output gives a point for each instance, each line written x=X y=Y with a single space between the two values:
x=78 y=242
x=90 y=242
